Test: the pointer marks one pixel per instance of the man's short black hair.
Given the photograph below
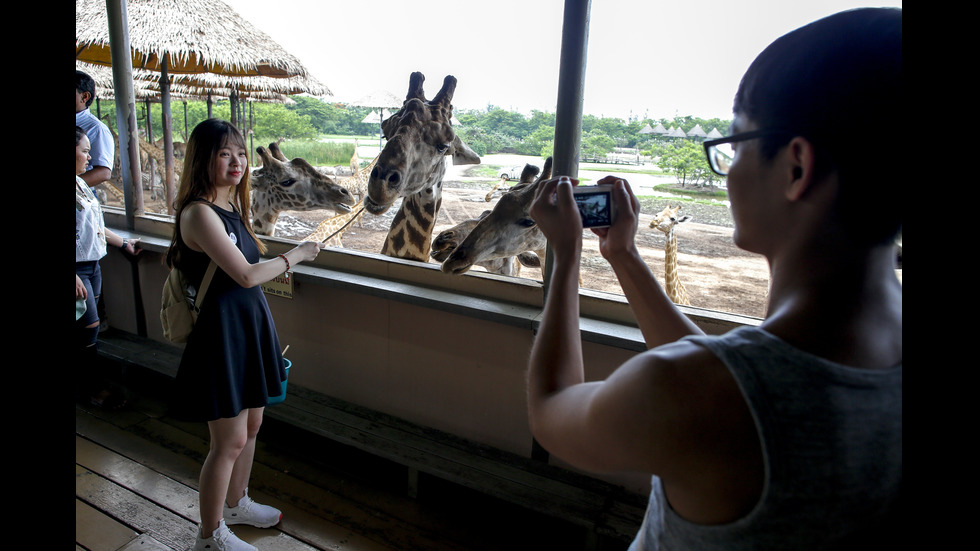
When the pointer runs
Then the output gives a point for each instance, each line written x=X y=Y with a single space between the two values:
x=838 y=82
x=84 y=83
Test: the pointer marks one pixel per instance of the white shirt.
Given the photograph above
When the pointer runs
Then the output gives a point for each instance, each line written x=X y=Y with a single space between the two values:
x=90 y=241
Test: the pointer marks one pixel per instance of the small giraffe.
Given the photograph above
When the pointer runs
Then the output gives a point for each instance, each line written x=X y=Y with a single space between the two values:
x=330 y=230
x=357 y=183
x=280 y=185
x=355 y=161
x=496 y=187
x=153 y=162
x=507 y=231
x=666 y=221
x=411 y=166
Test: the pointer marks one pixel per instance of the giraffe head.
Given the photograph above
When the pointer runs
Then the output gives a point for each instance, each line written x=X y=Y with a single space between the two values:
x=508 y=230
x=668 y=219
x=280 y=184
x=420 y=137
x=447 y=241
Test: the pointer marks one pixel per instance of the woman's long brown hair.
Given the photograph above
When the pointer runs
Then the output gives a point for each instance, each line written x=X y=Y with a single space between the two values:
x=197 y=178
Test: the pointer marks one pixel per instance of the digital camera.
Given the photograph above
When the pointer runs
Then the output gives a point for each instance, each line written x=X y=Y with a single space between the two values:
x=595 y=205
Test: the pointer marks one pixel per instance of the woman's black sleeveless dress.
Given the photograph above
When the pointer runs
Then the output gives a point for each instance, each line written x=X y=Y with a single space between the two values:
x=232 y=359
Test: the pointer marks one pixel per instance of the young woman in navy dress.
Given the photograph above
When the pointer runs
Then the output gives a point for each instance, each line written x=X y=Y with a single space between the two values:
x=232 y=363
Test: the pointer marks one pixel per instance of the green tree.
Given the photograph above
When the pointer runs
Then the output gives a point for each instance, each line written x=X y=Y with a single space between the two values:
x=685 y=159
x=596 y=143
x=276 y=121
x=540 y=140
x=507 y=123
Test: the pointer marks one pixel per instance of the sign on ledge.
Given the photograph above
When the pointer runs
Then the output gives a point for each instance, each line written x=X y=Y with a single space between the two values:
x=280 y=286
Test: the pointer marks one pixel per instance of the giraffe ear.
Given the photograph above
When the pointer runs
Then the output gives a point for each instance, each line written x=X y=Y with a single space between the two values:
x=462 y=154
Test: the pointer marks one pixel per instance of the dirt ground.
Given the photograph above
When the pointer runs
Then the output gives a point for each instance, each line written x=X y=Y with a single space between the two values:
x=716 y=274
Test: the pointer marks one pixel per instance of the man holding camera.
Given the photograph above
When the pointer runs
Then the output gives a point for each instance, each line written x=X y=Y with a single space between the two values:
x=787 y=435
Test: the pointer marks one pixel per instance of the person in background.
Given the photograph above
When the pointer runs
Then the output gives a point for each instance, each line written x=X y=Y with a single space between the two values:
x=91 y=238
x=787 y=435
x=232 y=362
x=103 y=147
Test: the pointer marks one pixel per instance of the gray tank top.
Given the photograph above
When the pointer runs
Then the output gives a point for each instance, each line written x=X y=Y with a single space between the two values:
x=832 y=444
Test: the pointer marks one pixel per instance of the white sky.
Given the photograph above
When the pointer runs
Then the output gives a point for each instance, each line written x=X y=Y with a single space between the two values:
x=656 y=58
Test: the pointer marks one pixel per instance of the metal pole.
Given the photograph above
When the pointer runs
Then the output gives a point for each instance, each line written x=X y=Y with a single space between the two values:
x=571 y=87
x=251 y=132
x=129 y=152
x=571 y=91
x=169 y=190
x=122 y=80
x=568 y=120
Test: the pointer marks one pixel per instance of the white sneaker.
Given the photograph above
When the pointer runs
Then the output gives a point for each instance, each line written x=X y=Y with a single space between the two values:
x=222 y=539
x=252 y=513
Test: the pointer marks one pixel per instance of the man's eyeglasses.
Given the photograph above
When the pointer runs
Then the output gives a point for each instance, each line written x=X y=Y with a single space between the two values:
x=720 y=152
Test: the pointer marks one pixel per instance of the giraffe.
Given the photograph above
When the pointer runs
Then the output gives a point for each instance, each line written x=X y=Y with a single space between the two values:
x=355 y=161
x=280 y=185
x=507 y=230
x=332 y=229
x=411 y=167
x=329 y=231
x=496 y=186
x=357 y=183
x=151 y=152
x=666 y=221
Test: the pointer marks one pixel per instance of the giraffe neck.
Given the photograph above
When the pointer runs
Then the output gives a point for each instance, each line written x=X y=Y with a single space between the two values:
x=410 y=236
x=330 y=230
x=672 y=283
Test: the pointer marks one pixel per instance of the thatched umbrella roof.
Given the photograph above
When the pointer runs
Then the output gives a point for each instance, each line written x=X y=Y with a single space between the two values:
x=146 y=85
x=379 y=99
x=246 y=85
x=696 y=131
x=204 y=36
x=180 y=37
x=384 y=100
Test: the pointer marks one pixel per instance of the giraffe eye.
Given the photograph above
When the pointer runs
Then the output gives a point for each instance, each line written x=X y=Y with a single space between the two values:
x=442 y=148
x=287 y=182
x=526 y=222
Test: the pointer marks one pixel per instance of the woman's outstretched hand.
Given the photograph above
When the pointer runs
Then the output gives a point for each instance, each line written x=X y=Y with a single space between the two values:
x=309 y=249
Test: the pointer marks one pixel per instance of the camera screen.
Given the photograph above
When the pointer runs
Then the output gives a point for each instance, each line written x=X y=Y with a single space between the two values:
x=594 y=208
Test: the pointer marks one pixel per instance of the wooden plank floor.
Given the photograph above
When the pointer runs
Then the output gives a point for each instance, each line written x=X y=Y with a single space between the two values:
x=136 y=478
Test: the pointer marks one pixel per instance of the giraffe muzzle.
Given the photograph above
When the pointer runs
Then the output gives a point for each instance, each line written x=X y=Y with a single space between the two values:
x=383 y=188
